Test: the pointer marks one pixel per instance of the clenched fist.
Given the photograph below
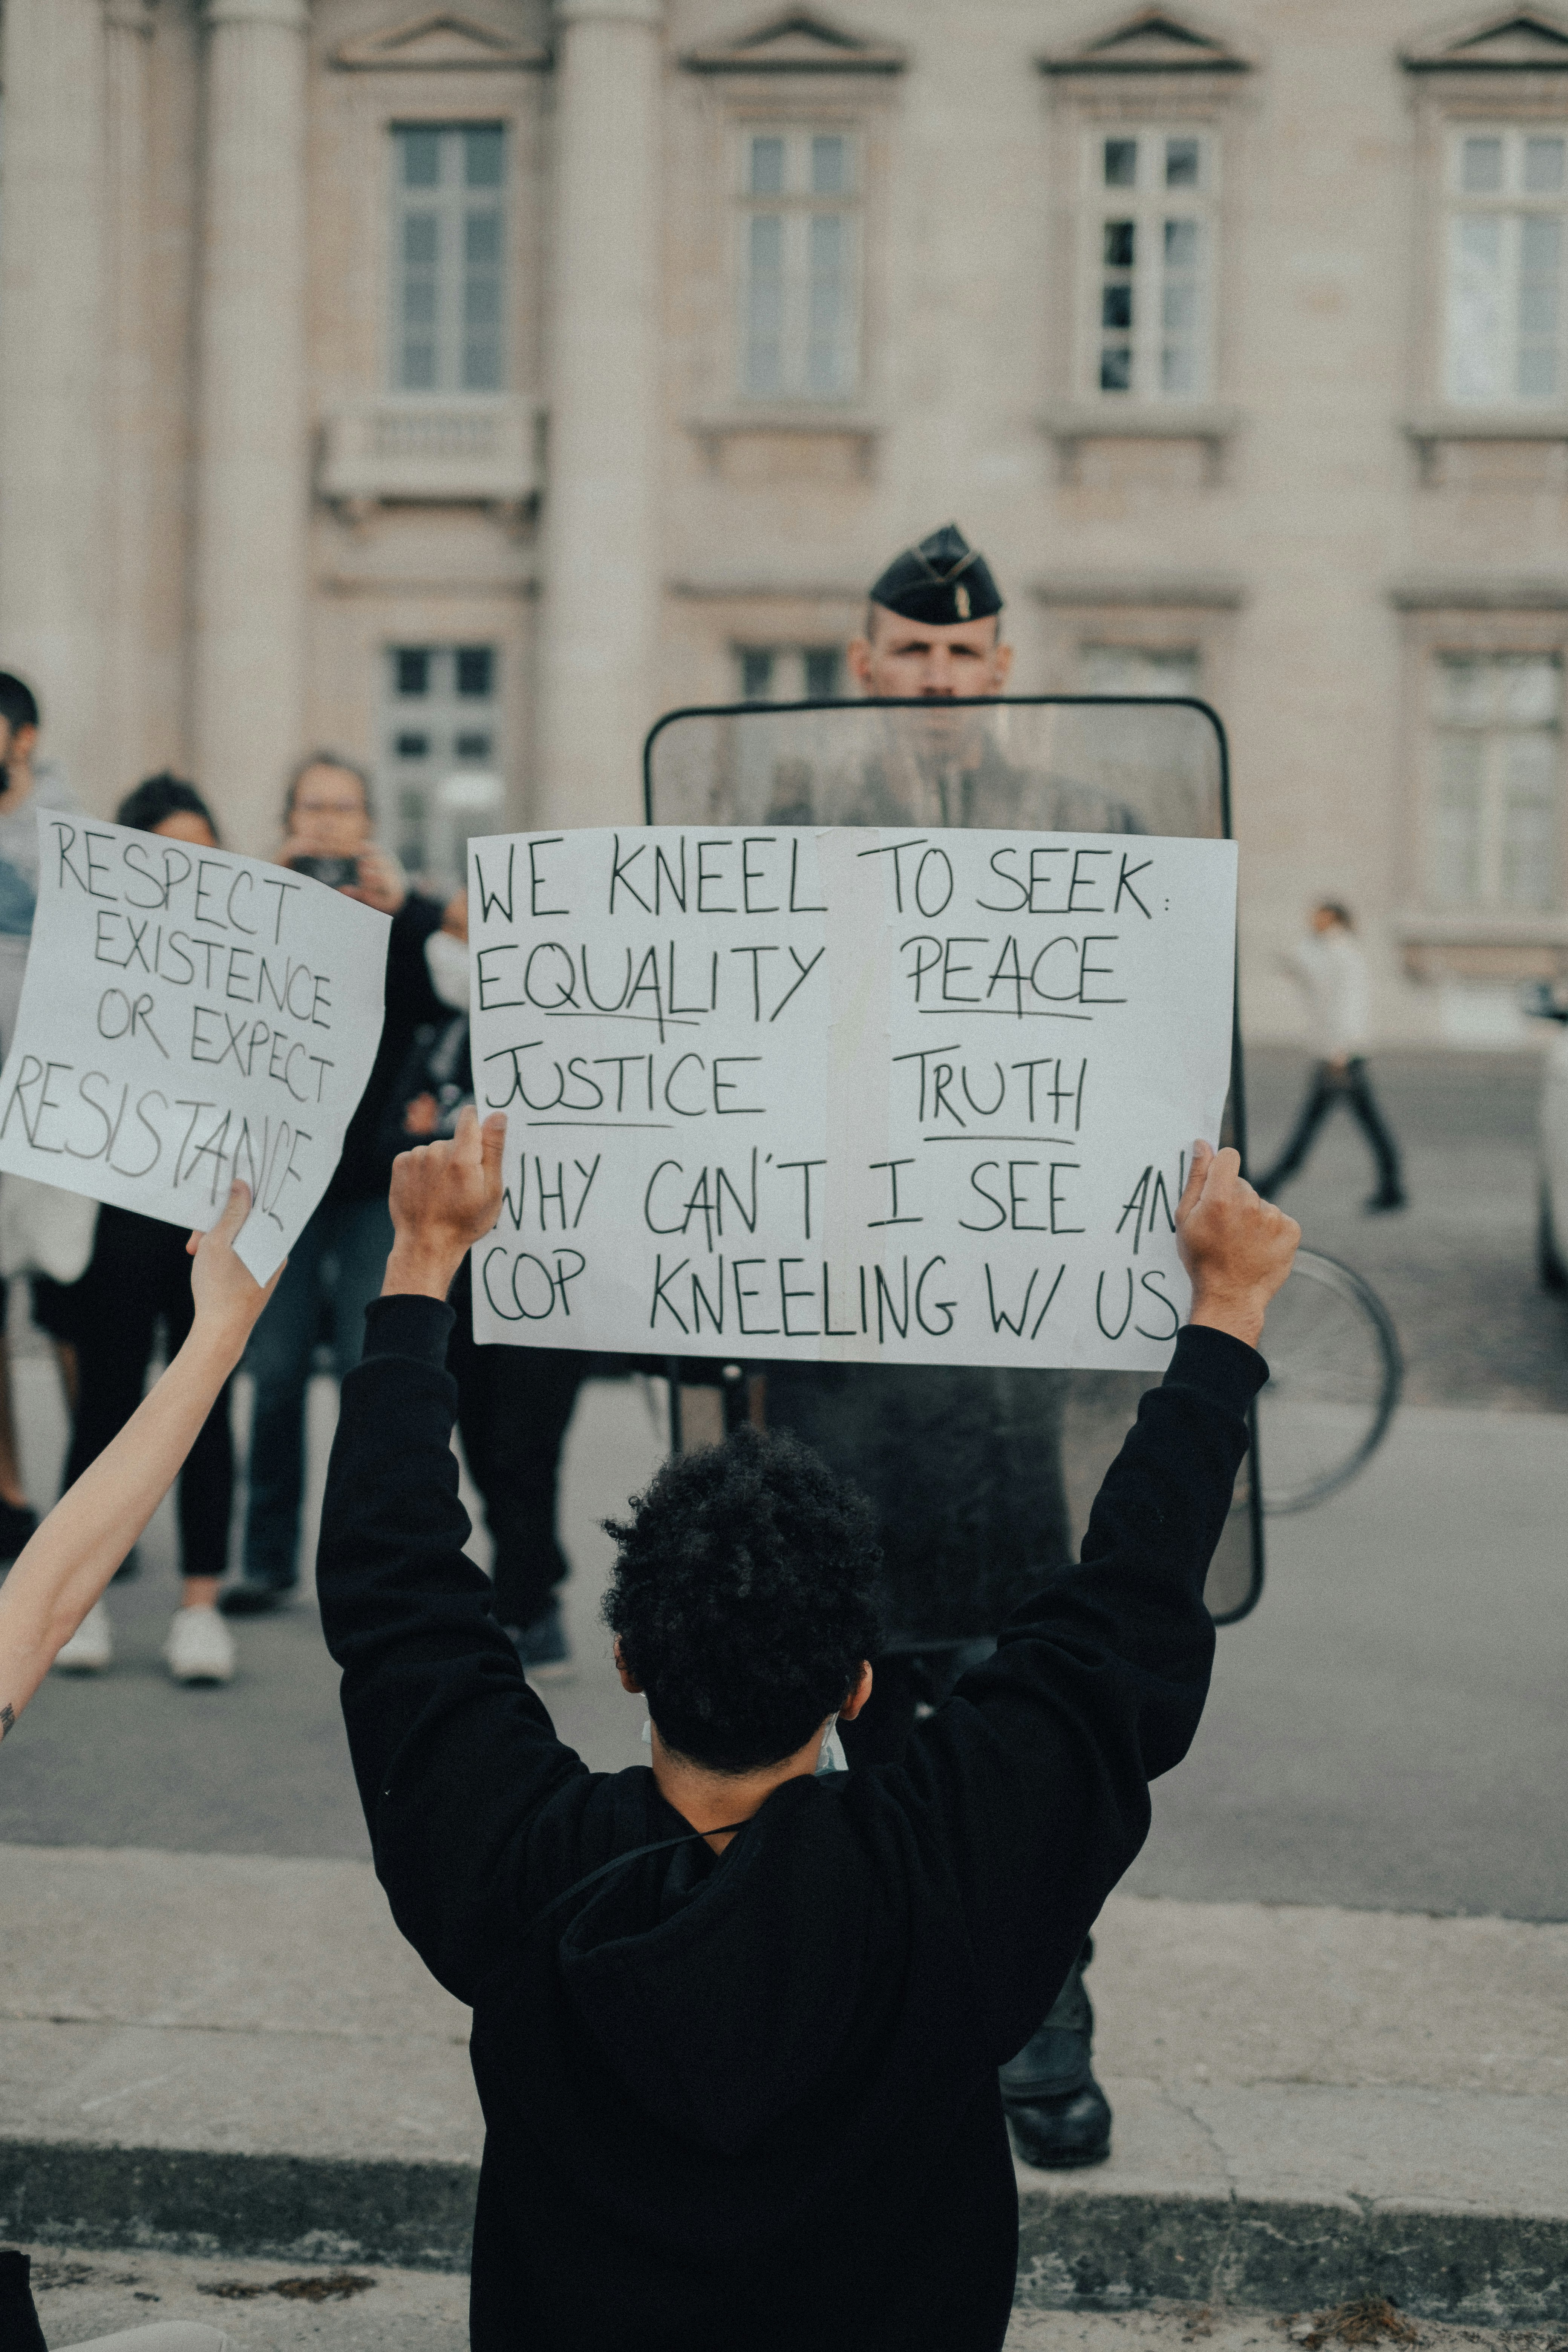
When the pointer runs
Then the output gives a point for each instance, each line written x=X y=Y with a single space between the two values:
x=445 y=1196
x=1236 y=1246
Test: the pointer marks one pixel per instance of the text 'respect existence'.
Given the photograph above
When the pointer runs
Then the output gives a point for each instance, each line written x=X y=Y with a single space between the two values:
x=189 y=1016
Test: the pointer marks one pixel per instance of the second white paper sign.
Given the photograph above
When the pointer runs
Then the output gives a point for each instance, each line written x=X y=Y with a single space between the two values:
x=862 y=1096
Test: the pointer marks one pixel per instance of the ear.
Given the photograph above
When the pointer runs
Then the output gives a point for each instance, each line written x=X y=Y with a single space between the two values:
x=859 y=1695
x=628 y=1681
x=1001 y=666
x=860 y=662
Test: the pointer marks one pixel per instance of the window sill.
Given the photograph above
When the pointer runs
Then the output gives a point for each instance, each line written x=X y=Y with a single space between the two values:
x=1540 y=594
x=1482 y=947
x=1070 y=423
x=785 y=419
x=1468 y=927
x=1429 y=429
x=431 y=448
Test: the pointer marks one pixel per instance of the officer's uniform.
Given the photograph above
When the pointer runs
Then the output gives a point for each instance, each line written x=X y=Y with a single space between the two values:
x=963 y=1464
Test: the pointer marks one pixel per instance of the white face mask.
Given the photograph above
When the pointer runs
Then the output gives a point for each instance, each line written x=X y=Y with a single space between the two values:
x=447 y=960
x=832 y=1759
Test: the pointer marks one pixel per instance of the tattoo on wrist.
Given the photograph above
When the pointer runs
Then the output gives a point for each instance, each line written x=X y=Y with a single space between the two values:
x=7 y=1718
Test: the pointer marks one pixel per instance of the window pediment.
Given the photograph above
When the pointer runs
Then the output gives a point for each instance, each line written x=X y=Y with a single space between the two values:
x=448 y=41
x=1520 y=40
x=798 y=43
x=1153 y=41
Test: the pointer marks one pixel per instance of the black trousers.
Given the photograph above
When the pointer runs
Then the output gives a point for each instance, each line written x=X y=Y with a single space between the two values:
x=1350 y=1085
x=513 y=1405
x=138 y=1278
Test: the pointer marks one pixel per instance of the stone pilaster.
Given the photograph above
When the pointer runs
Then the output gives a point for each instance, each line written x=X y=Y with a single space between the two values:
x=601 y=573
x=52 y=466
x=128 y=388
x=252 y=476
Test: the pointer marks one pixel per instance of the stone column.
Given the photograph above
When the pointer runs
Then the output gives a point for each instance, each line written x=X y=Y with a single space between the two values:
x=601 y=571
x=129 y=490
x=51 y=386
x=252 y=474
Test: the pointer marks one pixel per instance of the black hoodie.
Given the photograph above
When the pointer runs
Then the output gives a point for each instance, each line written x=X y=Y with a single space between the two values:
x=750 y=2100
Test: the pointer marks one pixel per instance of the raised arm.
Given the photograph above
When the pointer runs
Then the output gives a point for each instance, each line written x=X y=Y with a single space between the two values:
x=67 y=1565
x=454 y=1754
x=1035 y=1778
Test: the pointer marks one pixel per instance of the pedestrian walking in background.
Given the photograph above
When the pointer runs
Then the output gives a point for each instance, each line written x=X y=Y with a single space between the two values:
x=106 y=1327
x=1332 y=969
x=335 y=1268
x=26 y=784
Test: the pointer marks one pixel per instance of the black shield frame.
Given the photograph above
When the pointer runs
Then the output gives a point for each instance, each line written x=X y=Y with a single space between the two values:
x=711 y=762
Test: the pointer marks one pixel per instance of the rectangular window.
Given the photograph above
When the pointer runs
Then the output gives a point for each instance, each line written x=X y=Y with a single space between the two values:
x=789 y=673
x=449 y=255
x=1151 y=269
x=441 y=753
x=1138 y=669
x=1507 y=254
x=1495 y=820
x=799 y=264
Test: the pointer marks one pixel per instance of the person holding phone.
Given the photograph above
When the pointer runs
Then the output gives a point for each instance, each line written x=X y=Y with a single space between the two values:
x=334 y=1271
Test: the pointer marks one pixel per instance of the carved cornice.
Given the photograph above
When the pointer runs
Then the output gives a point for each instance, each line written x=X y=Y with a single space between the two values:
x=444 y=40
x=1154 y=41
x=1519 y=41
x=799 y=43
x=1191 y=591
x=288 y=16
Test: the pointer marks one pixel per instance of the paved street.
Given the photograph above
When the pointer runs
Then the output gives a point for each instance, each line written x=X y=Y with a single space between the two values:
x=1385 y=1732
x=266 y=2307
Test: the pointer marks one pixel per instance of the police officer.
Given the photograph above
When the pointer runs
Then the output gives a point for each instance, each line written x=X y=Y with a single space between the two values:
x=963 y=1463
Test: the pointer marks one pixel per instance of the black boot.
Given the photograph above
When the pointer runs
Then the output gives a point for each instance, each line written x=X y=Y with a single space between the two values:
x=1060 y=2117
x=19 y=2330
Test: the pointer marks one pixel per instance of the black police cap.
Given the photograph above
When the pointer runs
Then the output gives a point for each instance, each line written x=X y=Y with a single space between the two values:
x=940 y=581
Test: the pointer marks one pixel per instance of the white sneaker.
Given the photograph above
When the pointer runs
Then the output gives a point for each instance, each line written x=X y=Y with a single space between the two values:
x=200 y=1647
x=91 y=1646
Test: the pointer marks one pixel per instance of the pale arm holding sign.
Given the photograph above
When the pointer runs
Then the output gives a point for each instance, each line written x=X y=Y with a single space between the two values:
x=67 y=1566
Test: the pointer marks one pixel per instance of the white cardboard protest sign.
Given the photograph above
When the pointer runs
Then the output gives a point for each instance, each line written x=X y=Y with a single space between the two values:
x=189 y=1016
x=847 y=1094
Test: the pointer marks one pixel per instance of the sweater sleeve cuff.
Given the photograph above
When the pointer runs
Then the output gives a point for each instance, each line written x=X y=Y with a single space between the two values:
x=1224 y=1368
x=408 y=1325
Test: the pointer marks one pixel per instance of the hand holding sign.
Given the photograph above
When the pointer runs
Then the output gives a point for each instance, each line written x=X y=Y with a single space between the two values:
x=189 y=1016
x=445 y=1197
x=226 y=1296
x=1237 y=1247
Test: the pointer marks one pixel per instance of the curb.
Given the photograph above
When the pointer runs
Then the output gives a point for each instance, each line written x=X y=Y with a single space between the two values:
x=1092 y=2250
x=191 y=2202
x=1079 y=2250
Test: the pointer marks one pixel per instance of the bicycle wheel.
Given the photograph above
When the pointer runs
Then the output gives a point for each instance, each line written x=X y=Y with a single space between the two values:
x=1335 y=1374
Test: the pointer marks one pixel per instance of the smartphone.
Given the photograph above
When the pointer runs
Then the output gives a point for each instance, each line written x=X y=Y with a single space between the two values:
x=337 y=873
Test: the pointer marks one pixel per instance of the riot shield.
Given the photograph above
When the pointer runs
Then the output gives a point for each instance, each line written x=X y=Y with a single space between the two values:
x=976 y=1473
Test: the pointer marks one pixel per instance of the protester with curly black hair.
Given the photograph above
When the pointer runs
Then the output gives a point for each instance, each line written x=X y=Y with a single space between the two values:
x=737 y=2022
x=744 y=1598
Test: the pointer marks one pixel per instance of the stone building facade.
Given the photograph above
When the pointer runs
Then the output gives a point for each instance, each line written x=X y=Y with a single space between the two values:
x=462 y=385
